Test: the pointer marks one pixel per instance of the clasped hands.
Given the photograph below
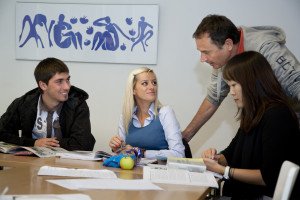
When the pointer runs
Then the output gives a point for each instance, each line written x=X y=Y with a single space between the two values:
x=47 y=142
x=211 y=160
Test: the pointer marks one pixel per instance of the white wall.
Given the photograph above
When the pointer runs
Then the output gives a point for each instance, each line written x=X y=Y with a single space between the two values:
x=182 y=78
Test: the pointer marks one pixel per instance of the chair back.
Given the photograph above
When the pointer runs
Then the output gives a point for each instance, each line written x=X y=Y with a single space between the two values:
x=286 y=180
x=187 y=150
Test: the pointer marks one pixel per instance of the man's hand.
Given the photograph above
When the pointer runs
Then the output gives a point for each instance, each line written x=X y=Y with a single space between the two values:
x=46 y=142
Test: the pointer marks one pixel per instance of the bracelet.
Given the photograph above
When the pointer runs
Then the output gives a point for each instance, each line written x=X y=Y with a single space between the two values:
x=226 y=172
x=231 y=171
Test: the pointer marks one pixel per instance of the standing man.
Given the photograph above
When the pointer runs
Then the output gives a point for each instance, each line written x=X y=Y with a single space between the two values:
x=53 y=115
x=218 y=40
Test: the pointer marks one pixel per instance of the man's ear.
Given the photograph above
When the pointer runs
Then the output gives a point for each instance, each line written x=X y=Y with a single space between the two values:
x=228 y=44
x=42 y=85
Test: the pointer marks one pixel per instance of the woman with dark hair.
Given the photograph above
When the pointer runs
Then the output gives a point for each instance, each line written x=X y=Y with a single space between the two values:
x=268 y=133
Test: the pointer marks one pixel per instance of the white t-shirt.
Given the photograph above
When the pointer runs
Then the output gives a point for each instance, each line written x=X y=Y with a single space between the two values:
x=40 y=126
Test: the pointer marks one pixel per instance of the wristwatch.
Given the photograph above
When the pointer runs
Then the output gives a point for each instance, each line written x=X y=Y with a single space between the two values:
x=226 y=172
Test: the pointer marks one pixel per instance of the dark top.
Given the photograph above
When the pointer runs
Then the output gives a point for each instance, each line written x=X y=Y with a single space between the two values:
x=74 y=120
x=265 y=147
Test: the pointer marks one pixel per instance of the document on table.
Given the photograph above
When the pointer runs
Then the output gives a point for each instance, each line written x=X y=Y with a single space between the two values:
x=46 y=197
x=72 y=172
x=79 y=155
x=146 y=161
x=179 y=176
x=112 y=184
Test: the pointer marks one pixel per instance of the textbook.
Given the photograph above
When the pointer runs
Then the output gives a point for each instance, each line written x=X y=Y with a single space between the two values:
x=163 y=174
x=42 y=152
x=190 y=164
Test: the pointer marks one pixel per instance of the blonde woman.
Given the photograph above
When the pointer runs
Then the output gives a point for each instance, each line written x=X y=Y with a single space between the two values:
x=144 y=122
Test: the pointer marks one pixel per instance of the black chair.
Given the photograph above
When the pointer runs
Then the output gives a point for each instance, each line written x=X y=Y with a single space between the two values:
x=187 y=151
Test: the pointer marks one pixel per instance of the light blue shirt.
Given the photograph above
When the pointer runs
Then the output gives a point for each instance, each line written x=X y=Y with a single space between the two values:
x=171 y=128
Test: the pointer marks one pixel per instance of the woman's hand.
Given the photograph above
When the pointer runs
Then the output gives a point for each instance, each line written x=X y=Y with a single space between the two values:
x=115 y=143
x=128 y=147
x=209 y=153
x=213 y=165
x=214 y=162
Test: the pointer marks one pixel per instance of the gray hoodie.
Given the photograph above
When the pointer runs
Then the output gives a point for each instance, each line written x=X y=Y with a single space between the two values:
x=270 y=42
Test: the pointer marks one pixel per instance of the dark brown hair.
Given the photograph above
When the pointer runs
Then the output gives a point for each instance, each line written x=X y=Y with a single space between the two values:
x=219 y=28
x=47 y=68
x=260 y=88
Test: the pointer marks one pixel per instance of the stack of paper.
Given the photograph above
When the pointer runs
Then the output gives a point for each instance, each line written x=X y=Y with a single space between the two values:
x=79 y=155
x=107 y=184
x=92 y=173
x=46 y=197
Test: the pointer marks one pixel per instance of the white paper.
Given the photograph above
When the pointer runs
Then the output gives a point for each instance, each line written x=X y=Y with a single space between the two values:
x=179 y=176
x=217 y=175
x=79 y=155
x=146 y=161
x=46 y=197
x=72 y=172
x=113 y=184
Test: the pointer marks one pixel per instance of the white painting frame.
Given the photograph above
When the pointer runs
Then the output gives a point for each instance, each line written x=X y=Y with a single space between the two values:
x=87 y=32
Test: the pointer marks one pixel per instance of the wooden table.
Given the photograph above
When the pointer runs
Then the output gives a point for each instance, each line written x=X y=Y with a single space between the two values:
x=20 y=175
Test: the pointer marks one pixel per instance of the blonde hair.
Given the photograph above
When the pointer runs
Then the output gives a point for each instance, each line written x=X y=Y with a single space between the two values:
x=129 y=101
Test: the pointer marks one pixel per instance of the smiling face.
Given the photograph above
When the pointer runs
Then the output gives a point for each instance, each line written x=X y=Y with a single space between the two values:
x=56 y=90
x=145 y=89
x=212 y=54
x=236 y=93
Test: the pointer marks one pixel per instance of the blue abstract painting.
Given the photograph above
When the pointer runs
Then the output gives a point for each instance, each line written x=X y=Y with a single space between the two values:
x=87 y=32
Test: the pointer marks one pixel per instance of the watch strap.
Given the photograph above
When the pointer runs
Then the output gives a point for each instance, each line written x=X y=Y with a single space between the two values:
x=226 y=172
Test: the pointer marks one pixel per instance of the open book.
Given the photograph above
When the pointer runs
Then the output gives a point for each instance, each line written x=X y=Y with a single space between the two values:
x=164 y=174
x=190 y=164
x=38 y=151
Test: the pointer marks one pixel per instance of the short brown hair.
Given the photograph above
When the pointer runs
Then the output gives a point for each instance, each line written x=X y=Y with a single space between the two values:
x=47 y=68
x=219 y=28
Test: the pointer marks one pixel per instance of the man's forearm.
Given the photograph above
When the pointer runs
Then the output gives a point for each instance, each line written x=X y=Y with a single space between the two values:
x=204 y=113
